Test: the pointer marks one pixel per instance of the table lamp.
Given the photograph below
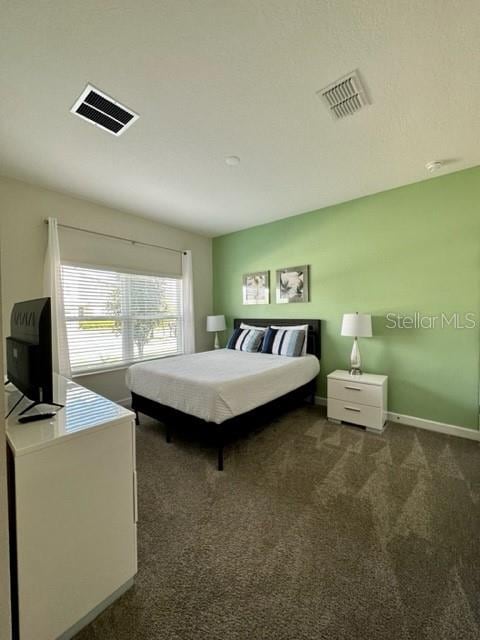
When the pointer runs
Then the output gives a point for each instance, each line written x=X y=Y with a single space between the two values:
x=356 y=325
x=215 y=324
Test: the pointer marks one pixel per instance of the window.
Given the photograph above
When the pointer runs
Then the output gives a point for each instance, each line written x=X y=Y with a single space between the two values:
x=115 y=318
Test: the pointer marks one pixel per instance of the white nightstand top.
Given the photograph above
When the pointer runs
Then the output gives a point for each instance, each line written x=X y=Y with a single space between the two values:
x=364 y=378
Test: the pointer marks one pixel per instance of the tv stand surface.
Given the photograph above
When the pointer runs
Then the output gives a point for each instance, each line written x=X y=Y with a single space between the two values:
x=72 y=488
x=36 y=404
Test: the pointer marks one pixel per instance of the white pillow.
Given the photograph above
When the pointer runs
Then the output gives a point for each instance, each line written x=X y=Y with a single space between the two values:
x=251 y=326
x=303 y=327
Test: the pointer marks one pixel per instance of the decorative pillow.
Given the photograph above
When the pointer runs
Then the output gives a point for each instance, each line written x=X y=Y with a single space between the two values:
x=303 y=327
x=284 y=342
x=246 y=340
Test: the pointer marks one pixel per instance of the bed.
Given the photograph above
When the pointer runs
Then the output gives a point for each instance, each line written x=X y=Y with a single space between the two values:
x=224 y=388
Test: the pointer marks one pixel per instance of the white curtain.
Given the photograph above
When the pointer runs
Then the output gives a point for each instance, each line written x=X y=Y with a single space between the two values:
x=188 y=313
x=53 y=288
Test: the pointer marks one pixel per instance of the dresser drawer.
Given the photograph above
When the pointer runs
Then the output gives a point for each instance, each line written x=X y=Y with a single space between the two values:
x=368 y=416
x=354 y=392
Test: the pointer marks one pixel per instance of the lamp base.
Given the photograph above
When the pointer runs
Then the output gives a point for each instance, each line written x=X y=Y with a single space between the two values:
x=355 y=361
x=355 y=372
x=217 y=344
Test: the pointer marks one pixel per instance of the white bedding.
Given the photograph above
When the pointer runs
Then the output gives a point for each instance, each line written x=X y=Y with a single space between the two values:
x=218 y=385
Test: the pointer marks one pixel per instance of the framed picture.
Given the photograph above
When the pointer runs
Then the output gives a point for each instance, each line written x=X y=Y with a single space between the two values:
x=292 y=284
x=256 y=288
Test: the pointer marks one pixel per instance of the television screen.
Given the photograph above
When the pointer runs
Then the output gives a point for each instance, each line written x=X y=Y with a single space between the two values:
x=29 y=350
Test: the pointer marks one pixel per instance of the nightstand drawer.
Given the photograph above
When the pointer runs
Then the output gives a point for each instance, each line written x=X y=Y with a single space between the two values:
x=368 y=416
x=355 y=392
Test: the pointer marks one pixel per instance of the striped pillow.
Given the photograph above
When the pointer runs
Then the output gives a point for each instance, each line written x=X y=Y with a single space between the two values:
x=303 y=327
x=246 y=340
x=284 y=342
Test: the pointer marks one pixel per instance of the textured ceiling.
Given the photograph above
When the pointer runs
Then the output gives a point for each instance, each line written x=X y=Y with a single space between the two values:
x=213 y=78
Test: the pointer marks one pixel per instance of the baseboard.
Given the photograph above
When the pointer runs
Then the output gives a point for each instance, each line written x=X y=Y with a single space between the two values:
x=432 y=425
x=125 y=402
x=422 y=423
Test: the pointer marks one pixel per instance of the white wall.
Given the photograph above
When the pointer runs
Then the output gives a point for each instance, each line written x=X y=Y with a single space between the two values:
x=23 y=236
x=4 y=558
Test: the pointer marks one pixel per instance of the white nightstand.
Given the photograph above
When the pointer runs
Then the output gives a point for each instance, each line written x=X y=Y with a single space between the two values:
x=358 y=399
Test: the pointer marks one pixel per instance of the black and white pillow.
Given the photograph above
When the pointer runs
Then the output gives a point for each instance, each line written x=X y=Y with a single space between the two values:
x=284 y=342
x=246 y=340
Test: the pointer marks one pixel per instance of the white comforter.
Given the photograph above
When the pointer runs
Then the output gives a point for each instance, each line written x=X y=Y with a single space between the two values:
x=218 y=385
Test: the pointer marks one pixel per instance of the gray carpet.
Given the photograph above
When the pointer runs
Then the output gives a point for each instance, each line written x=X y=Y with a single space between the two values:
x=313 y=531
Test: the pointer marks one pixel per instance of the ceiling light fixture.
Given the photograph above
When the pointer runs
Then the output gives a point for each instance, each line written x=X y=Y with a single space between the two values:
x=232 y=161
x=433 y=166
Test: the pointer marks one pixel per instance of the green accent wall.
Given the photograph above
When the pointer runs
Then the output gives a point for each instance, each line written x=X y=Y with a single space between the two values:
x=411 y=249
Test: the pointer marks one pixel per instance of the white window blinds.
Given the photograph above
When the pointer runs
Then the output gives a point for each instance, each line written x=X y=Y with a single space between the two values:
x=116 y=318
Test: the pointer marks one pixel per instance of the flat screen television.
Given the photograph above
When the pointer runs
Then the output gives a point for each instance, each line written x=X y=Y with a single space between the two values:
x=29 y=351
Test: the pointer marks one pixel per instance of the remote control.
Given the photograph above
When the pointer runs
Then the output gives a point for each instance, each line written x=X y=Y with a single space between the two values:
x=37 y=416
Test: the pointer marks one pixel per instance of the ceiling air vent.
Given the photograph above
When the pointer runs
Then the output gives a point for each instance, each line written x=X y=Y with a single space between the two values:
x=104 y=112
x=345 y=96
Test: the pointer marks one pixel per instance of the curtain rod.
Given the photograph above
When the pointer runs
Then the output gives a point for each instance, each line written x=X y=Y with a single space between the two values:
x=108 y=235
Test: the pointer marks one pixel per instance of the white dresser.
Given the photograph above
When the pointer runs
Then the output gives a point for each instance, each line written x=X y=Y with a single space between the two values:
x=72 y=485
x=360 y=399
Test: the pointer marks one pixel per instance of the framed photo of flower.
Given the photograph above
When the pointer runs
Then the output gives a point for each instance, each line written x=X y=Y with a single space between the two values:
x=256 y=288
x=292 y=284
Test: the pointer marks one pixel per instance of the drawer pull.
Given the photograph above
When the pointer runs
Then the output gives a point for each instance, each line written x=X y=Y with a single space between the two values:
x=353 y=388
x=352 y=409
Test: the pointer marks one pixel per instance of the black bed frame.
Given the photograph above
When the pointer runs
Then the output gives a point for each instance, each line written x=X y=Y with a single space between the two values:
x=169 y=416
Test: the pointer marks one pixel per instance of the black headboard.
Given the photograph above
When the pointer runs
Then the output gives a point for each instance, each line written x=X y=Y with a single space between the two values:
x=313 y=340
